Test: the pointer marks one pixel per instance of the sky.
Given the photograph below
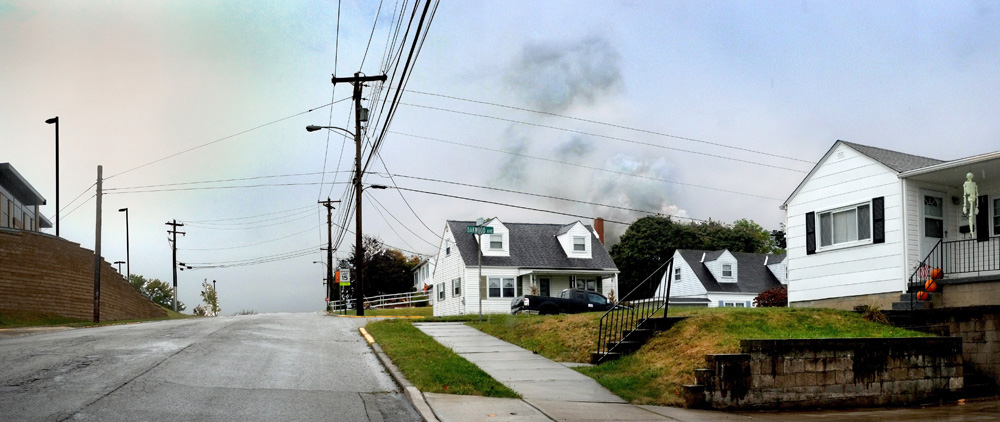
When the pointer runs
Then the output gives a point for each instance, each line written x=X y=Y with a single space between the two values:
x=700 y=110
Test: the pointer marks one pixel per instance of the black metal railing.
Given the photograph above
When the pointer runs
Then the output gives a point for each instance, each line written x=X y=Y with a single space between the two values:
x=924 y=270
x=955 y=258
x=634 y=308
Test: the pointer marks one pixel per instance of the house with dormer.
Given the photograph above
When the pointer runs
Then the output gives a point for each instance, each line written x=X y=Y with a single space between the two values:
x=518 y=259
x=721 y=278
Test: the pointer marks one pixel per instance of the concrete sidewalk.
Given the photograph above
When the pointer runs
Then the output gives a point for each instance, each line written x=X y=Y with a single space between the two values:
x=549 y=390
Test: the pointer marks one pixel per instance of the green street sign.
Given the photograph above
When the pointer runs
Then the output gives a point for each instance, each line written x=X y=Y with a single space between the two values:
x=479 y=229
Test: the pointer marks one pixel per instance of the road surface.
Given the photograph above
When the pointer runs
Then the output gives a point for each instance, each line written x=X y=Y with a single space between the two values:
x=265 y=367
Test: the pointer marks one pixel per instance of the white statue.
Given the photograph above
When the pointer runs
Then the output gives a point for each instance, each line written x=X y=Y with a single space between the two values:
x=970 y=201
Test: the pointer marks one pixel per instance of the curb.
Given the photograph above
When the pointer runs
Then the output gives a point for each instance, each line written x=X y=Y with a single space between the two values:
x=412 y=393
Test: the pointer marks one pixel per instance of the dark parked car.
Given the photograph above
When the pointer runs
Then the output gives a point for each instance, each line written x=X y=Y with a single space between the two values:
x=569 y=301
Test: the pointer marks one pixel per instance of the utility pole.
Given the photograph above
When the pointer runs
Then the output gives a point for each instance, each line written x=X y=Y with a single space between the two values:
x=331 y=292
x=358 y=82
x=97 y=249
x=119 y=264
x=173 y=245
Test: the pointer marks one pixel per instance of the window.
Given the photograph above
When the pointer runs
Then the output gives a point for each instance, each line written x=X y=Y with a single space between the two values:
x=677 y=274
x=996 y=217
x=579 y=244
x=727 y=270
x=447 y=250
x=592 y=285
x=734 y=304
x=500 y=287
x=596 y=299
x=544 y=287
x=845 y=225
x=440 y=289
x=496 y=241
x=933 y=217
x=4 y=212
x=456 y=286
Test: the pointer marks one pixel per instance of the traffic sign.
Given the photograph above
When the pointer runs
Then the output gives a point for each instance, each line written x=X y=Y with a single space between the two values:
x=344 y=277
x=479 y=229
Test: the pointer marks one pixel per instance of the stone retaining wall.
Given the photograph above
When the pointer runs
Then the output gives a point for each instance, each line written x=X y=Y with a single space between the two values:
x=44 y=273
x=811 y=373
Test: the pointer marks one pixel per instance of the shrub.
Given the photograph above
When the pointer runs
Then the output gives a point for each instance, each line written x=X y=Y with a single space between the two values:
x=772 y=298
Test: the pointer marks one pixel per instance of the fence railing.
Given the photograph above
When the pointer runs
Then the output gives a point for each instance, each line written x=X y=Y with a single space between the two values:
x=955 y=258
x=392 y=300
x=634 y=308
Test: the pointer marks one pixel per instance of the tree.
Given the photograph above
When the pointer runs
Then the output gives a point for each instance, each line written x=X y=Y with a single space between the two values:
x=211 y=299
x=157 y=291
x=771 y=298
x=651 y=241
x=387 y=270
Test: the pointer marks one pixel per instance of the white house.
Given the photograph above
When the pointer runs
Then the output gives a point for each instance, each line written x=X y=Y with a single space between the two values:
x=721 y=278
x=867 y=222
x=423 y=275
x=518 y=258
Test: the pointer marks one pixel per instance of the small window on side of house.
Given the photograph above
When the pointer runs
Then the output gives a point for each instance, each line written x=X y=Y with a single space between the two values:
x=456 y=286
x=677 y=274
x=447 y=250
x=440 y=288
x=727 y=270
x=496 y=241
x=845 y=225
x=579 y=244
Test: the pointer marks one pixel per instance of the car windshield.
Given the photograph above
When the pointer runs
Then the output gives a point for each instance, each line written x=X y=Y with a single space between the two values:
x=564 y=294
x=597 y=299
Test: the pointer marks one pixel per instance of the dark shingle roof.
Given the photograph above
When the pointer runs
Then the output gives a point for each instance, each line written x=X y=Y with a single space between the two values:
x=895 y=160
x=531 y=246
x=752 y=276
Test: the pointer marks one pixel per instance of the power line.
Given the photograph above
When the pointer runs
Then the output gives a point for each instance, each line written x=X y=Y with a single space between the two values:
x=372 y=197
x=74 y=200
x=78 y=206
x=215 y=181
x=405 y=201
x=226 y=137
x=365 y=56
x=251 y=222
x=250 y=245
x=604 y=136
x=684 y=138
x=119 y=191
x=392 y=226
x=584 y=166
x=251 y=227
x=252 y=216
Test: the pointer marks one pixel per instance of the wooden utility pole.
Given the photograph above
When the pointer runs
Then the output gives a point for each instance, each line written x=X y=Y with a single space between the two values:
x=97 y=250
x=332 y=292
x=173 y=246
x=359 y=255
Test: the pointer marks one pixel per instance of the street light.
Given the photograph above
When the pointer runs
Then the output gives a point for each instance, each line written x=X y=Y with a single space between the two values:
x=119 y=263
x=128 y=257
x=56 y=121
x=313 y=128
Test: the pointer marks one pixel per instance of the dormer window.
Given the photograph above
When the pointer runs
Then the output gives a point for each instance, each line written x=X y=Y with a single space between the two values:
x=727 y=270
x=496 y=241
x=579 y=244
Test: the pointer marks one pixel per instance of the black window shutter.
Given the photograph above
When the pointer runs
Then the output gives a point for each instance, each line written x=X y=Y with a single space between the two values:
x=878 y=220
x=810 y=233
x=983 y=220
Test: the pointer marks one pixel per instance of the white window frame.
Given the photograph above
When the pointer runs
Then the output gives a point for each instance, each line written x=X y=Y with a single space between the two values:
x=677 y=274
x=845 y=244
x=581 y=242
x=493 y=238
x=727 y=268
x=447 y=250
x=456 y=287
x=441 y=295
x=734 y=304
x=502 y=281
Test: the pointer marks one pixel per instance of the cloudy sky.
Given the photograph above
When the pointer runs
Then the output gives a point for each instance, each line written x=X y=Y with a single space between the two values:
x=704 y=110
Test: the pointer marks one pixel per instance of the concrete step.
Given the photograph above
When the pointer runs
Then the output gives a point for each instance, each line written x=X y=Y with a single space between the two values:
x=638 y=334
x=694 y=396
x=625 y=347
x=702 y=375
x=601 y=357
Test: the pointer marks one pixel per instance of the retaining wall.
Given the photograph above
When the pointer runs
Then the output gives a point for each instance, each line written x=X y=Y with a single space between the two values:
x=44 y=273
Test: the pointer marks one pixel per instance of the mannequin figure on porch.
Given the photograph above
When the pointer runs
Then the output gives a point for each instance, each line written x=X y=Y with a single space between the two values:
x=969 y=203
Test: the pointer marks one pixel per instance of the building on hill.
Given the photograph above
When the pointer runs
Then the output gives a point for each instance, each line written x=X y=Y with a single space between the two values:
x=517 y=259
x=19 y=202
x=721 y=278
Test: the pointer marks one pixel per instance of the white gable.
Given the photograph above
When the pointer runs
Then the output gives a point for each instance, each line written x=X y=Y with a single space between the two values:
x=723 y=268
x=576 y=235
x=500 y=237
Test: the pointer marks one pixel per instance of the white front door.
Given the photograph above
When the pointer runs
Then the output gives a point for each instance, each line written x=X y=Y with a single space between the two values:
x=931 y=220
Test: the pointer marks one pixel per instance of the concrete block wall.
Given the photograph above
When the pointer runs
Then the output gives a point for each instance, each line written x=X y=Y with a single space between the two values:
x=44 y=273
x=809 y=373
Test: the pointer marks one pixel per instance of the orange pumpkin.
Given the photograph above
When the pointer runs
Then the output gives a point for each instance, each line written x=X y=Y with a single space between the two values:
x=930 y=285
x=937 y=274
x=922 y=295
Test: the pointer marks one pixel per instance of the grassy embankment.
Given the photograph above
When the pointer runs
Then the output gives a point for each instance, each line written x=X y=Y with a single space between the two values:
x=21 y=319
x=655 y=374
x=430 y=366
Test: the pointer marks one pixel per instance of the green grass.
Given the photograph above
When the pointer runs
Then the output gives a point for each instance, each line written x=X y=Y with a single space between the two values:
x=425 y=311
x=655 y=374
x=430 y=366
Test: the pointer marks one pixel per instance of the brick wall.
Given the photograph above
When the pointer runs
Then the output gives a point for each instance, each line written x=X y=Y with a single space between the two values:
x=809 y=373
x=847 y=303
x=40 y=272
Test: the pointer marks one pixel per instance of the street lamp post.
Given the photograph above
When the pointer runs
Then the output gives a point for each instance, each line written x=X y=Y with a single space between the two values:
x=119 y=264
x=327 y=283
x=128 y=257
x=56 y=121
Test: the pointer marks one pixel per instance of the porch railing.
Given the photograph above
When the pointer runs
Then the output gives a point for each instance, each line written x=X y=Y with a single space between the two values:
x=634 y=308
x=956 y=258
x=392 y=300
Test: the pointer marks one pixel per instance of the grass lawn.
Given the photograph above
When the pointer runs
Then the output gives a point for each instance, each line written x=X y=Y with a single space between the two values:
x=430 y=366
x=655 y=374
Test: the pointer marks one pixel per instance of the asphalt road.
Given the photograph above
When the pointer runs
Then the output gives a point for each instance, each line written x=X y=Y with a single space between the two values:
x=269 y=367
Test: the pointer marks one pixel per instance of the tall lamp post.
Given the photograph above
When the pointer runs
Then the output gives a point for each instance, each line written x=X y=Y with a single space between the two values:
x=56 y=121
x=327 y=283
x=128 y=258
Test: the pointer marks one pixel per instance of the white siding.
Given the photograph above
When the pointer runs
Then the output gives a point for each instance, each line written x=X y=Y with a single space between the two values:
x=472 y=286
x=449 y=267
x=846 y=177
x=715 y=267
x=566 y=241
x=500 y=230
x=688 y=286
x=745 y=299
x=780 y=271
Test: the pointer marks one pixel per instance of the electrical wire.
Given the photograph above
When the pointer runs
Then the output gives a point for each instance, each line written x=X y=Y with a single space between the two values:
x=249 y=217
x=251 y=227
x=372 y=197
x=215 y=187
x=393 y=180
x=252 y=222
x=53 y=216
x=247 y=246
x=213 y=181
x=392 y=226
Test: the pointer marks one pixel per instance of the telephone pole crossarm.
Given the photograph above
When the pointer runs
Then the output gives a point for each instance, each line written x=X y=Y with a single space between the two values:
x=173 y=246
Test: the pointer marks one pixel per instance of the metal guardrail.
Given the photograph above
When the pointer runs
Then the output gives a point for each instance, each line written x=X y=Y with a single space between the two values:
x=391 y=300
x=955 y=257
x=634 y=309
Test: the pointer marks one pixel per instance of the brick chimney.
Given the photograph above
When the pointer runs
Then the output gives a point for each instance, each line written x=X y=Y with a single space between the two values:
x=599 y=228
